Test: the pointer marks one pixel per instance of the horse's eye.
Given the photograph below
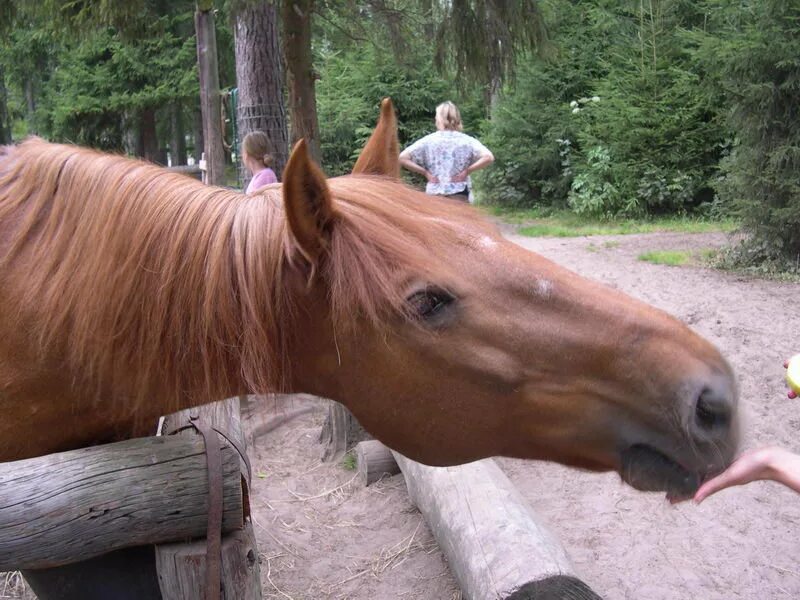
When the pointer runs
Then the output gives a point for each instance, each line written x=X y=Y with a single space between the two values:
x=427 y=304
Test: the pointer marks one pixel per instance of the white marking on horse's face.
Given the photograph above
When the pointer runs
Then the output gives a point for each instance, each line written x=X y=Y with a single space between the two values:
x=487 y=243
x=543 y=288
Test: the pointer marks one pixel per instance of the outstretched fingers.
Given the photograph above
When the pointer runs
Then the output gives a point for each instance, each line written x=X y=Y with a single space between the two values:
x=750 y=466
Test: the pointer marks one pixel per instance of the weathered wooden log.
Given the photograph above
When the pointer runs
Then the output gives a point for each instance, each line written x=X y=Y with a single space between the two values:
x=70 y=506
x=494 y=544
x=340 y=432
x=374 y=461
x=182 y=566
x=225 y=416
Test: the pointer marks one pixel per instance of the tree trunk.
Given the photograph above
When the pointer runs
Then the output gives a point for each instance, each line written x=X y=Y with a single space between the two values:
x=259 y=78
x=199 y=139
x=428 y=26
x=30 y=104
x=300 y=75
x=135 y=137
x=5 y=121
x=210 y=101
x=177 y=143
x=494 y=75
x=149 y=138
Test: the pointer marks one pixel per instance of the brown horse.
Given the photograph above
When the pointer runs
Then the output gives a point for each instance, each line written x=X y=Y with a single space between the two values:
x=127 y=292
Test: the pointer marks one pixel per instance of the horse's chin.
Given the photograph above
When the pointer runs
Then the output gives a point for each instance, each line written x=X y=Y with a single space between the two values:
x=649 y=470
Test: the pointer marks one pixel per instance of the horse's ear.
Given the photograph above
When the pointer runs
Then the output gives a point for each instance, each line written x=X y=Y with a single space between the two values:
x=308 y=203
x=380 y=155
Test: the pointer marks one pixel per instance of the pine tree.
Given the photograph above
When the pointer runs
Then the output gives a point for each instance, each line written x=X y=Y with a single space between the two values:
x=760 y=65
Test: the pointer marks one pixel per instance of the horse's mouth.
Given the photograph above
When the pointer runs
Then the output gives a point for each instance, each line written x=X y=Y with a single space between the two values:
x=649 y=470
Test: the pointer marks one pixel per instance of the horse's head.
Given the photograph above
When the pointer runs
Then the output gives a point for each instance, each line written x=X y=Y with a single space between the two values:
x=450 y=343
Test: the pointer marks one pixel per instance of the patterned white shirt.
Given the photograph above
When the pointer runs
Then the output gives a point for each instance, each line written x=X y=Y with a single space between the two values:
x=444 y=154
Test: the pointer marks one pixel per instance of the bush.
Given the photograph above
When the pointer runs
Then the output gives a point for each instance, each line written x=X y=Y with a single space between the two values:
x=352 y=84
x=618 y=122
x=531 y=131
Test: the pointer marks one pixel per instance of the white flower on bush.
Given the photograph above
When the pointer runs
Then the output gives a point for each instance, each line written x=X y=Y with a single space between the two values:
x=575 y=111
x=595 y=98
x=573 y=104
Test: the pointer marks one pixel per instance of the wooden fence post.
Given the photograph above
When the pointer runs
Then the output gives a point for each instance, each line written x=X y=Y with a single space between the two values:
x=181 y=566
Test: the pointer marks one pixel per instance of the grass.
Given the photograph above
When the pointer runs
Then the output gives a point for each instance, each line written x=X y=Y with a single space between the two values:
x=677 y=258
x=673 y=258
x=349 y=461
x=563 y=223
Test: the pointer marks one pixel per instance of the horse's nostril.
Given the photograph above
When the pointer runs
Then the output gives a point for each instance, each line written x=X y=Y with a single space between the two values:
x=712 y=412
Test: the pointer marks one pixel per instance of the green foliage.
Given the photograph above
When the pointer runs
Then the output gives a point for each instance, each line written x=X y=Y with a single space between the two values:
x=634 y=109
x=529 y=135
x=353 y=80
x=619 y=123
x=480 y=39
x=103 y=80
x=352 y=84
x=677 y=258
x=531 y=131
x=759 y=65
x=555 y=227
x=349 y=461
x=549 y=222
x=672 y=258
x=594 y=189
x=82 y=71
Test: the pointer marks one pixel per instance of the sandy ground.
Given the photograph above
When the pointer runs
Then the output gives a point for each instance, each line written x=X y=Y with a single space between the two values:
x=322 y=535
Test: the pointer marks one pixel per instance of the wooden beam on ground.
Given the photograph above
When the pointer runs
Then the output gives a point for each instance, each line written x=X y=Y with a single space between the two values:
x=496 y=547
x=374 y=461
x=71 y=506
x=181 y=566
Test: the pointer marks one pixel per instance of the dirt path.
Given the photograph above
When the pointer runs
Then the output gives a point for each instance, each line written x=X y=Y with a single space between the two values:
x=320 y=540
x=322 y=536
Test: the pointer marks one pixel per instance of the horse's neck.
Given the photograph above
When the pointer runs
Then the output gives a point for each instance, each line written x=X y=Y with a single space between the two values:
x=149 y=283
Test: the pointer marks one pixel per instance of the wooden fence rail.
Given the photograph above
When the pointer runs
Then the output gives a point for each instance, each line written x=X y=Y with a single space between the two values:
x=66 y=507
x=70 y=521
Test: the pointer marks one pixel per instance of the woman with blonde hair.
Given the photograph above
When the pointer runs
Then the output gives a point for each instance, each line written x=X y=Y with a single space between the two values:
x=447 y=157
x=257 y=159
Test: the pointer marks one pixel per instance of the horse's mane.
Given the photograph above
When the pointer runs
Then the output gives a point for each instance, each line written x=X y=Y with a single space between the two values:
x=149 y=282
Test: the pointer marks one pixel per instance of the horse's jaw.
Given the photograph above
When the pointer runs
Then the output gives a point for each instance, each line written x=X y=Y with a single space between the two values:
x=649 y=470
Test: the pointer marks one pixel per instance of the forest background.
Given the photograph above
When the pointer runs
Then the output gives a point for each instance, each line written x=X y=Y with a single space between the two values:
x=633 y=108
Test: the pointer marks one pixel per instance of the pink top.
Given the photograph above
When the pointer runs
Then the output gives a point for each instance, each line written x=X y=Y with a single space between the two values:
x=260 y=179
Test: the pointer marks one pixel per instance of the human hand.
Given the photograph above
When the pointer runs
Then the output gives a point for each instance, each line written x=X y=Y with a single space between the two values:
x=753 y=465
x=431 y=177
x=459 y=177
